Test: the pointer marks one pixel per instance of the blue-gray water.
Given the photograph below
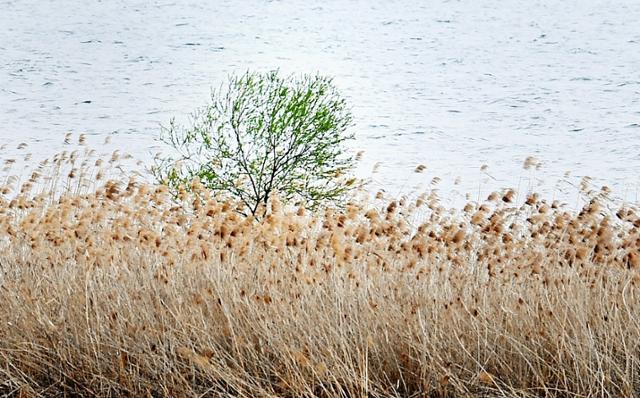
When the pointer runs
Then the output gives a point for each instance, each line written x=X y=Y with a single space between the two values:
x=449 y=84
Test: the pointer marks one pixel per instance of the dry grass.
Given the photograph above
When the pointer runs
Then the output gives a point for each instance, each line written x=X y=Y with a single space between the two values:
x=118 y=291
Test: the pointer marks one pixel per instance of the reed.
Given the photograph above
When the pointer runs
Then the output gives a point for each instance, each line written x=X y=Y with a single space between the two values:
x=111 y=287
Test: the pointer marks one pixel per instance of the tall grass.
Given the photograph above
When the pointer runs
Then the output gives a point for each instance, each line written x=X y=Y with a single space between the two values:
x=112 y=288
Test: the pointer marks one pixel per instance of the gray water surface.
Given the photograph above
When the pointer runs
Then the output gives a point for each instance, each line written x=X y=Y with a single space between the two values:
x=449 y=84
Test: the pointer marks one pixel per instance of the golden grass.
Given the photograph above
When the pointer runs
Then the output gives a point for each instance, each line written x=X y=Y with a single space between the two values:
x=119 y=291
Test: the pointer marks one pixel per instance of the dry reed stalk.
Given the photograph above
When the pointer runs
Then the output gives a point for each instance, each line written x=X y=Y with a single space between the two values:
x=120 y=290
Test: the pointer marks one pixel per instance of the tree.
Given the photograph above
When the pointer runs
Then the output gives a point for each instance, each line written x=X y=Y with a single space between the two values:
x=261 y=135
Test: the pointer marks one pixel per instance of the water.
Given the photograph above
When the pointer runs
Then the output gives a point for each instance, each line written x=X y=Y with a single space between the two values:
x=449 y=84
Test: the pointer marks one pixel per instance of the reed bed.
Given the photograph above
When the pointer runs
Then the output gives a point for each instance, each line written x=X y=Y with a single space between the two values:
x=115 y=288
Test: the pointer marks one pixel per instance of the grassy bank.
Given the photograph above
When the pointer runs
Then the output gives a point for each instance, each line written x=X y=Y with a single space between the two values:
x=120 y=291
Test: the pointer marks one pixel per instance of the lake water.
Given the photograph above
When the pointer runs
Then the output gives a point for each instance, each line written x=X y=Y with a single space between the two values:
x=453 y=85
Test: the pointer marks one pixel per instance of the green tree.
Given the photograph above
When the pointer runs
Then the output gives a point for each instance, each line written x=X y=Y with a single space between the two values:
x=263 y=134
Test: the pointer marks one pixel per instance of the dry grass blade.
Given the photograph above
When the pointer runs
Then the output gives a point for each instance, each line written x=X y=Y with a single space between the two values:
x=118 y=289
